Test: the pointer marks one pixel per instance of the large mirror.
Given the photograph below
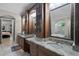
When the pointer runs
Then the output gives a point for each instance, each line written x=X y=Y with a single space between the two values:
x=32 y=20
x=60 y=16
x=23 y=24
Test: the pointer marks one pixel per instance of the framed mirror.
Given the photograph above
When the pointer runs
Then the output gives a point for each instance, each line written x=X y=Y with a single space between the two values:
x=60 y=16
x=32 y=20
x=23 y=24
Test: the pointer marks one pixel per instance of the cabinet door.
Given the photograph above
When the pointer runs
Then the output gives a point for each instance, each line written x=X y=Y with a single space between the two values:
x=18 y=40
x=42 y=52
x=26 y=47
x=33 y=49
x=22 y=42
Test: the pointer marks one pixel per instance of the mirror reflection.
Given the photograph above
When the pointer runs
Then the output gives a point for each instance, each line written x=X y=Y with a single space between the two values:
x=60 y=16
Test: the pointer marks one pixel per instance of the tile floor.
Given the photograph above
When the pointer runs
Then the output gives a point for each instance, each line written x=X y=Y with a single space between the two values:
x=5 y=49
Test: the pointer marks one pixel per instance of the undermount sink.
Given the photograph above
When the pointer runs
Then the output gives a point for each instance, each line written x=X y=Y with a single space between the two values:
x=50 y=43
x=58 y=45
x=53 y=44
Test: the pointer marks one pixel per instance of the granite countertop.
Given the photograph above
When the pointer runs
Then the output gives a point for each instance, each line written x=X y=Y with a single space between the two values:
x=25 y=35
x=62 y=49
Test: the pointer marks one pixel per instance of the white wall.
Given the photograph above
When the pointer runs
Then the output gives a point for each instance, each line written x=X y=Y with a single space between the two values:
x=17 y=22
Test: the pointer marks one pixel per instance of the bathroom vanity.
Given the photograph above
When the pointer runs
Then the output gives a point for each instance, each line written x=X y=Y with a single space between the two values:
x=47 y=47
x=22 y=43
x=38 y=50
x=34 y=46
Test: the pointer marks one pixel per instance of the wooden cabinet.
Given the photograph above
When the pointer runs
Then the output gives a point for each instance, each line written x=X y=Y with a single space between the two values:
x=19 y=40
x=45 y=52
x=23 y=43
x=33 y=49
x=26 y=46
x=37 y=50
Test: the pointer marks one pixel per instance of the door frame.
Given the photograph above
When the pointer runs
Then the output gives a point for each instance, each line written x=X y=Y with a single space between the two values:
x=13 y=25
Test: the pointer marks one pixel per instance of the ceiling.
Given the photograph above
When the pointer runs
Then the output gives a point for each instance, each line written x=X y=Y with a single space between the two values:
x=16 y=8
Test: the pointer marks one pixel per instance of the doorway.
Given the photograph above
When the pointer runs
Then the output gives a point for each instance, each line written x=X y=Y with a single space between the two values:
x=7 y=29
